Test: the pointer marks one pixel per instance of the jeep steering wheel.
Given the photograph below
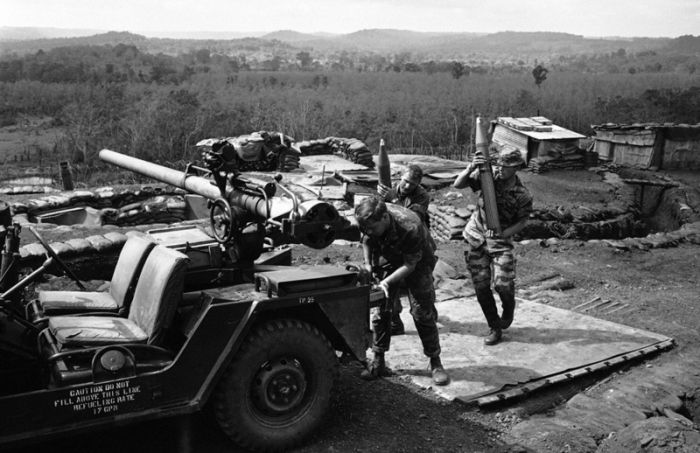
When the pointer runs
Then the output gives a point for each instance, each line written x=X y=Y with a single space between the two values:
x=52 y=254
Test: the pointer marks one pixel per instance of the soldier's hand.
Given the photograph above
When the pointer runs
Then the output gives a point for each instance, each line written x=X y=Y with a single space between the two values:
x=478 y=159
x=382 y=189
x=384 y=285
x=492 y=234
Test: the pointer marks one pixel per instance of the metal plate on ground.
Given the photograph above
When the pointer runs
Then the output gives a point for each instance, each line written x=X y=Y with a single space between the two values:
x=544 y=345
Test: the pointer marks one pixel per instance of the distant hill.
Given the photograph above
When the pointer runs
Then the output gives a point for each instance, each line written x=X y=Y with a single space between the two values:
x=464 y=45
x=393 y=40
x=293 y=37
x=147 y=45
x=422 y=45
x=548 y=43
x=204 y=35
x=111 y=38
x=29 y=33
x=687 y=44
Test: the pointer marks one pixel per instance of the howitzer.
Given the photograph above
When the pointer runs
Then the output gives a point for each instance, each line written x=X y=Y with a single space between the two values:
x=243 y=210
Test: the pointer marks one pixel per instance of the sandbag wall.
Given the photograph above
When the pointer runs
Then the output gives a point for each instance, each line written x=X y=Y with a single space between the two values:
x=116 y=207
x=288 y=162
x=20 y=190
x=448 y=222
x=160 y=209
x=583 y=223
x=257 y=151
x=568 y=162
x=351 y=149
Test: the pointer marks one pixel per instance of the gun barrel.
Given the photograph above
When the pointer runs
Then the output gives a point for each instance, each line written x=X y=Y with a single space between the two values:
x=195 y=184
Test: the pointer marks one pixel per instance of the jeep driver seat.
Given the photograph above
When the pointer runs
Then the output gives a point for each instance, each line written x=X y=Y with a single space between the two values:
x=121 y=288
x=70 y=342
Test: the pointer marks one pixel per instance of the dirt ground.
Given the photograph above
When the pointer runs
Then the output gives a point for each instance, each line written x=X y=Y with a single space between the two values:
x=660 y=285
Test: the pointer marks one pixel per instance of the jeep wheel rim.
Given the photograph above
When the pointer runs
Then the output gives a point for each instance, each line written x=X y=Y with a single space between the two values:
x=279 y=386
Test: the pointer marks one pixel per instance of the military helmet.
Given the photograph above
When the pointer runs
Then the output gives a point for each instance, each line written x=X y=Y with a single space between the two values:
x=510 y=156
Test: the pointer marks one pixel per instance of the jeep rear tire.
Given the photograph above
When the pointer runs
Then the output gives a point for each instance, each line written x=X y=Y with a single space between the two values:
x=278 y=387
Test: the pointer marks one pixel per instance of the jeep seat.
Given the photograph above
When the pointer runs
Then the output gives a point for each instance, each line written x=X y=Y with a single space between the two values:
x=70 y=342
x=116 y=300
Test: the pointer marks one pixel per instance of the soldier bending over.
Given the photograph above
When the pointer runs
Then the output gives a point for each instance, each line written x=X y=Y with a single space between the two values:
x=408 y=193
x=403 y=240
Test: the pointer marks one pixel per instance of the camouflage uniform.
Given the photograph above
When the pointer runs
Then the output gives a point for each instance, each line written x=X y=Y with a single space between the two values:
x=417 y=201
x=514 y=204
x=408 y=241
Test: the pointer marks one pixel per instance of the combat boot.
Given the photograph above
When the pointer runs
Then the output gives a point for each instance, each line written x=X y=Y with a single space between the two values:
x=508 y=303
x=376 y=368
x=397 y=327
x=494 y=337
x=440 y=376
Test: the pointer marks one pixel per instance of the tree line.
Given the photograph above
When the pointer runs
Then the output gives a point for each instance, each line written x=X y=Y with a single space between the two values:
x=126 y=63
x=157 y=107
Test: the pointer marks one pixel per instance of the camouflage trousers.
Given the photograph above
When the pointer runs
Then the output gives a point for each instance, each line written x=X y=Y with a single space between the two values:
x=421 y=295
x=493 y=260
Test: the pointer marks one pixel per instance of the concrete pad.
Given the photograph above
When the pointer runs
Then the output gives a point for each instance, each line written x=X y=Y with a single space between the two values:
x=544 y=345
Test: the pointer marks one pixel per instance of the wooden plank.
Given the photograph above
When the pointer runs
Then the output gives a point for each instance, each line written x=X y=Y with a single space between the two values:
x=514 y=123
x=528 y=121
x=504 y=119
x=542 y=120
x=520 y=125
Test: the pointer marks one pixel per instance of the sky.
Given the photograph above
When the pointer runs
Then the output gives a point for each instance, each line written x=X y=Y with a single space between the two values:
x=628 y=18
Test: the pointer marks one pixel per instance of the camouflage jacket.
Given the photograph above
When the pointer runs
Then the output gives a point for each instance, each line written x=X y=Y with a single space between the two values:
x=406 y=241
x=514 y=203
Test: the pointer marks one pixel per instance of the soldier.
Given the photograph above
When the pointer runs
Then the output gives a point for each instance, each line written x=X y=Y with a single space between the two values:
x=401 y=238
x=487 y=248
x=408 y=193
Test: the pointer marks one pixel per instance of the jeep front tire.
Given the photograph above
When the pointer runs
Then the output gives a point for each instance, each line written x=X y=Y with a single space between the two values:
x=277 y=389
